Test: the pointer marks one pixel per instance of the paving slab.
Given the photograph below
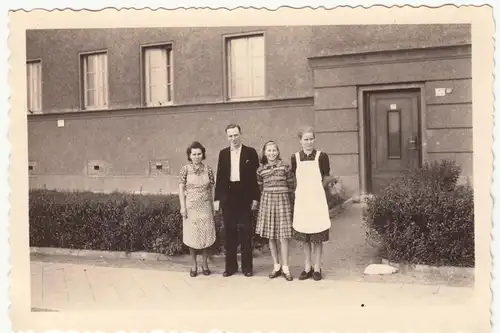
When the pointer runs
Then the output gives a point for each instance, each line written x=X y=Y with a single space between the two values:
x=84 y=287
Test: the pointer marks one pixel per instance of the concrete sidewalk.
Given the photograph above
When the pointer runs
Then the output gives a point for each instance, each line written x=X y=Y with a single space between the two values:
x=62 y=287
x=292 y=306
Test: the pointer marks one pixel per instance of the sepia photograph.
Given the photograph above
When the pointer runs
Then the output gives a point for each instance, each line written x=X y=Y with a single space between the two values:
x=242 y=167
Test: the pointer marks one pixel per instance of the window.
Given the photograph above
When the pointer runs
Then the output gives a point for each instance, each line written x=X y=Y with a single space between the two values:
x=34 y=84
x=245 y=67
x=95 y=80
x=394 y=134
x=157 y=75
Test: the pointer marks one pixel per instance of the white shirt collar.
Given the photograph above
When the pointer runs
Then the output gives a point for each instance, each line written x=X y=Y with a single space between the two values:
x=236 y=149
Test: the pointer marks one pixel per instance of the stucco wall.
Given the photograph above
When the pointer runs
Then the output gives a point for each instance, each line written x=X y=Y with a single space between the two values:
x=198 y=57
x=127 y=145
x=129 y=139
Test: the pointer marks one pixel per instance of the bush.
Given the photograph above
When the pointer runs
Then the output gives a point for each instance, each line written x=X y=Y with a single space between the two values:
x=110 y=222
x=424 y=217
x=335 y=193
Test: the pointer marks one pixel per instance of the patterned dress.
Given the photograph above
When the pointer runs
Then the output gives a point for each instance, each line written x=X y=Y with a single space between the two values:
x=198 y=230
x=274 y=220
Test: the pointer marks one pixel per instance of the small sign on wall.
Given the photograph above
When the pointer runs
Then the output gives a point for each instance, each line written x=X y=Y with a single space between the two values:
x=60 y=123
x=440 y=92
x=394 y=106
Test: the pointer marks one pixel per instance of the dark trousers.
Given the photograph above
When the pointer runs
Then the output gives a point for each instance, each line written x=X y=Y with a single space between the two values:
x=238 y=227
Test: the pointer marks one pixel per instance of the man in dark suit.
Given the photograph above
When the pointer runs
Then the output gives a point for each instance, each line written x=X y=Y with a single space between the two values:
x=237 y=194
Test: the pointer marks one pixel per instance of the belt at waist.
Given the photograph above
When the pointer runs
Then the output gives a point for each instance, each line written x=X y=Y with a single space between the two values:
x=276 y=190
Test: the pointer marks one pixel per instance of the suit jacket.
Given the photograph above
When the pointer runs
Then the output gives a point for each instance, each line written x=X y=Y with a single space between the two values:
x=249 y=162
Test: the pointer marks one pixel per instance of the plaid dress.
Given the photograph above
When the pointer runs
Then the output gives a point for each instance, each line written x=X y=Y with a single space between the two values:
x=274 y=220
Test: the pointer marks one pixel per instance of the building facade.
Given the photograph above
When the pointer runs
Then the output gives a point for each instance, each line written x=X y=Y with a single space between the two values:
x=115 y=109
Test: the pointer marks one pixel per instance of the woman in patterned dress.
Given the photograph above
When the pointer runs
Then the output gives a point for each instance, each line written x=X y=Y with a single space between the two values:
x=196 y=182
x=274 y=220
x=311 y=218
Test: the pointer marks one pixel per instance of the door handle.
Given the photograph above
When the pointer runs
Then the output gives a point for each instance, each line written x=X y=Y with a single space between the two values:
x=413 y=143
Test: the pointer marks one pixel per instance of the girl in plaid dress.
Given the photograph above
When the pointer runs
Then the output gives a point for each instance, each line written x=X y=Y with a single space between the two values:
x=274 y=219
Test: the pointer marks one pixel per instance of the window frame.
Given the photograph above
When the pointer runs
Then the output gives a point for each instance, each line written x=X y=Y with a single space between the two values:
x=83 y=77
x=28 y=86
x=226 y=39
x=143 y=49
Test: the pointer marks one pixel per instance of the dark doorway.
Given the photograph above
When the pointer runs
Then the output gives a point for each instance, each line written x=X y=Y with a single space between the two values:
x=393 y=139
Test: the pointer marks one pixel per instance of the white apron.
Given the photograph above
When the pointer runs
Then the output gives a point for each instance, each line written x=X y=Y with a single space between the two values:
x=311 y=213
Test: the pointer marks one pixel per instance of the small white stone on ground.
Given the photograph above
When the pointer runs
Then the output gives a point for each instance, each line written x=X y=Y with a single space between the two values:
x=379 y=269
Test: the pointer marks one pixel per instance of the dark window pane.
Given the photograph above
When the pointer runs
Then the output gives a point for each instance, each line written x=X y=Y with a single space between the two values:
x=394 y=134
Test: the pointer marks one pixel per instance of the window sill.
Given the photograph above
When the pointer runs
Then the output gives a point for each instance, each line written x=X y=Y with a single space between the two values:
x=158 y=105
x=246 y=99
x=34 y=113
x=97 y=108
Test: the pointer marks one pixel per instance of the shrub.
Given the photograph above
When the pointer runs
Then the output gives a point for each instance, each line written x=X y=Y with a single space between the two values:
x=335 y=193
x=443 y=174
x=424 y=217
x=112 y=222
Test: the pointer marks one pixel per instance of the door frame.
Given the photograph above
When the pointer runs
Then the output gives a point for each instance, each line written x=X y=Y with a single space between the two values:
x=364 y=138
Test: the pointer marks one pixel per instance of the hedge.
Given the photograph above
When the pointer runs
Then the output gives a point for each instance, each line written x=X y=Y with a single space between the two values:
x=118 y=221
x=110 y=222
x=425 y=217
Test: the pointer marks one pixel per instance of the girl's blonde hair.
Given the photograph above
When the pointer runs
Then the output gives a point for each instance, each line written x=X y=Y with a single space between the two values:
x=263 y=158
x=306 y=129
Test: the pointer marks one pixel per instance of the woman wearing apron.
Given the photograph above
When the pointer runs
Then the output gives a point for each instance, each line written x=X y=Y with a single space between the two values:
x=311 y=219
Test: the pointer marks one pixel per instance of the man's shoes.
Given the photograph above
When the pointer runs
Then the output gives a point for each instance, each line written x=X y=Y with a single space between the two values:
x=228 y=273
x=248 y=273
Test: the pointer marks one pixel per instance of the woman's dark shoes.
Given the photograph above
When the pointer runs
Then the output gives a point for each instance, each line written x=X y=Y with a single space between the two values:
x=306 y=275
x=193 y=273
x=275 y=274
x=317 y=275
x=206 y=271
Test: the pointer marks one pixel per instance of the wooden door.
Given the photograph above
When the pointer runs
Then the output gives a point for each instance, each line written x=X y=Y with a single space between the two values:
x=394 y=138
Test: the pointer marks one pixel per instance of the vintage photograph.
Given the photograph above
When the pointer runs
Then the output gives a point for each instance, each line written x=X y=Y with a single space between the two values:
x=268 y=142
x=258 y=166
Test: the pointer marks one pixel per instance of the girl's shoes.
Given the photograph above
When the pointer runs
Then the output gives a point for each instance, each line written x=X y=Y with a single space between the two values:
x=206 y=271
x=193 y=273
x=288 y=276
x=275 y=274
x=280 y=272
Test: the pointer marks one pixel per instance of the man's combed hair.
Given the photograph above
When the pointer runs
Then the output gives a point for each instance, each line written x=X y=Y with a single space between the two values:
x=228 y=127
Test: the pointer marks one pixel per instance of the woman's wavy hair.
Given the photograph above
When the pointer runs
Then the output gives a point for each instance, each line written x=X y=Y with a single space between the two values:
x=196 y=145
